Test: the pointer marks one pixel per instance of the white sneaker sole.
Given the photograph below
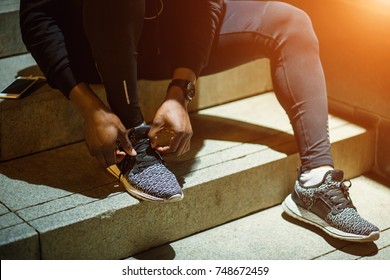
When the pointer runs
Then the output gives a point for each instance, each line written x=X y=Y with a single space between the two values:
x=114 y=170
x=292 y=209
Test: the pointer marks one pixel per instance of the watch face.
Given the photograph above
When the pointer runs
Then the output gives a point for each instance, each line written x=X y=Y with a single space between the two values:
x=187 y=87
x=190 y=89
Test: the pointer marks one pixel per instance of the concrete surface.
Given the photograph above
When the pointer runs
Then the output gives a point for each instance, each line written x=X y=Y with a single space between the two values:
x=272 y=235
x=10 y=38
x=241 y=162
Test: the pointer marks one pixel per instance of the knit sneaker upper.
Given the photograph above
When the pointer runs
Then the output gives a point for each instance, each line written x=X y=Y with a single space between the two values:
x=147 y=172
x=330 y=201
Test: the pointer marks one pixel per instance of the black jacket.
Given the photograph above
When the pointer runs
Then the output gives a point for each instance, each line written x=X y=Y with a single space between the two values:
x=52 y=31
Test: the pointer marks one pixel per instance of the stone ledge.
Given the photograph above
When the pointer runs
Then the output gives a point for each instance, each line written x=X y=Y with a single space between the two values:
x=241 y=162
x=272 y=235
x=19 y=241
x=10 y=37
x=379 y=123
x=46 y=120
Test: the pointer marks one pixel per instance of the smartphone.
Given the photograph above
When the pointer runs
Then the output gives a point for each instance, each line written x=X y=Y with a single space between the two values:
x=20 y=87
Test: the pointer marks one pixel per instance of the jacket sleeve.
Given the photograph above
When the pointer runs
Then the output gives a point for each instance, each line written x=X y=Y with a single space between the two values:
x=44 y=39
x=198 y=21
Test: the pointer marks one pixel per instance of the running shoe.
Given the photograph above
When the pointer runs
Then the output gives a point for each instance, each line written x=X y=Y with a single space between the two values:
x=329 y=207
x=146 y=176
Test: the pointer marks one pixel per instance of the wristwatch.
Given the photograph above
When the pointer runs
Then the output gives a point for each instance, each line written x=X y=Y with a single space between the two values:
x=187 y=86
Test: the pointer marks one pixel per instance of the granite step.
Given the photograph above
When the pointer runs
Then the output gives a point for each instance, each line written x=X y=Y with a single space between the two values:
x=46 y=119
x=271 y=234
x=10 y=37
x=59 y=204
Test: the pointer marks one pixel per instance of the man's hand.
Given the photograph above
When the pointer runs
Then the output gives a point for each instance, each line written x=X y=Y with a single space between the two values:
x=104 y=131
x=172 y=119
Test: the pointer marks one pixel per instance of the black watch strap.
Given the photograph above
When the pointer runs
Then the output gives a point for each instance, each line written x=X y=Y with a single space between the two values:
x=187 y=86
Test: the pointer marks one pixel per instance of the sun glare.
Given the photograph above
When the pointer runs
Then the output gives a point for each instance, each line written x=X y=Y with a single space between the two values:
x=381 y=6
x=384 y=3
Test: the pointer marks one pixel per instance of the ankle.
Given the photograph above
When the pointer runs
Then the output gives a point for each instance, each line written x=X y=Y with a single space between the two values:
x=314 y=176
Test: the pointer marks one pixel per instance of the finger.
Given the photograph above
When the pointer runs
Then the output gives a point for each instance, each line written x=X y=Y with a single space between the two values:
x=176 y=143
x=162 y=149
x=164 y=137
x=185 y=146
x=120 y=155
x=109 y=155
x=153 y=142
x=126 y=144
x=153 y=132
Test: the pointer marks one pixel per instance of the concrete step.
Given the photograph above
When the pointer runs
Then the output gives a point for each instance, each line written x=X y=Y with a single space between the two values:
x=46 y=120
x=272 y=235
x=60 y=204
x=10 y=37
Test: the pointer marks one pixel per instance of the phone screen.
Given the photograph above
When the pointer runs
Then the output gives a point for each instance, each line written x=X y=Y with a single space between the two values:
x=18 y=88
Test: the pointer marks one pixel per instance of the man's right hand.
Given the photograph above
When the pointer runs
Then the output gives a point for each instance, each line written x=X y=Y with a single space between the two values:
x=104 y=132
x=103 y=129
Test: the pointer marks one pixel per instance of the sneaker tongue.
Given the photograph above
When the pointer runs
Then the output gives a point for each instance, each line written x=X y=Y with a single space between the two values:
x=138 y=133
x=337 y=175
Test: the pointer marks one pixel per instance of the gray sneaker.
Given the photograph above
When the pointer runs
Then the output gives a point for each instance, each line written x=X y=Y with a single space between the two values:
x=145 y=176
x=329 y=207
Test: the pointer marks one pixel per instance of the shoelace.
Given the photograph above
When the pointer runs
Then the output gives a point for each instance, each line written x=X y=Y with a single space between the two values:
x=146 y=156
x=338 y=194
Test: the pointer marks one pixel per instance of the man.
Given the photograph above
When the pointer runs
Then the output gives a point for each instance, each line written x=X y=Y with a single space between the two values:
x=77 y=42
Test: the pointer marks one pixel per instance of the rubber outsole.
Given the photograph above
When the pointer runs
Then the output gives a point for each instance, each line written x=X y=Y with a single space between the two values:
x=299 y=213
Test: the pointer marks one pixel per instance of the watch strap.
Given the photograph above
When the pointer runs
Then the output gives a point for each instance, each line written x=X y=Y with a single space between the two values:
x=187 y=86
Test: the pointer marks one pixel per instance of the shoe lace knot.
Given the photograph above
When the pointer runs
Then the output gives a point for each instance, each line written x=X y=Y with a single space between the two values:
x=338 y=195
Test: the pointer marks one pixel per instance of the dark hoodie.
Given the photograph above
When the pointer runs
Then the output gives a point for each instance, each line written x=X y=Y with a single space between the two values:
x=52 y=31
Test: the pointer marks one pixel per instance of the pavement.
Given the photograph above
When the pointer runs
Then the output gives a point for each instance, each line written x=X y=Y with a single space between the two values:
x=271 y=234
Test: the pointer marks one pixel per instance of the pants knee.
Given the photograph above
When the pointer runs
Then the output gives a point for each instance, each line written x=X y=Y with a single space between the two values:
x=292 y=23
